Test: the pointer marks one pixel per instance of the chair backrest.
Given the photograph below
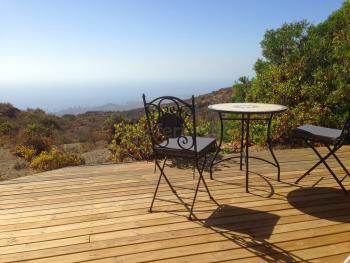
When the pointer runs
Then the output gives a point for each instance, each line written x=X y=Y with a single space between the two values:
x=170 y=121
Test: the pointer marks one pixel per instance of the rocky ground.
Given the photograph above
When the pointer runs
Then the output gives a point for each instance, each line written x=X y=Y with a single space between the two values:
x=13 y=167
x=97 y=153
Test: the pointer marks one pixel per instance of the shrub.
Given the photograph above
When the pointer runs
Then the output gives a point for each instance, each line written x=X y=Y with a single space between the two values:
x=25 y=152
x=131 y=140
x=7 y=128
x=109 y=124
x=305 y=67
x=55 y=159
x=37 y=137
x=37 y=129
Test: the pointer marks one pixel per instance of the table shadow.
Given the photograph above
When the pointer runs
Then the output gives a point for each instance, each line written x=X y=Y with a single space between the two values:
x=322 y=202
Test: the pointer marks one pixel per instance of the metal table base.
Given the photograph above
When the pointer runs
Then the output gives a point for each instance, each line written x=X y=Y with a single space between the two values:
x=246 y=119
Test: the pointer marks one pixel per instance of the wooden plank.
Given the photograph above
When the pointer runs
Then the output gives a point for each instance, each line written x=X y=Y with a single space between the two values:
x=100 y=214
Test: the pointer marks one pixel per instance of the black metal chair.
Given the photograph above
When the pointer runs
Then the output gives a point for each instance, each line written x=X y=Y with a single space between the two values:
x=333 y=139
x=172 y=129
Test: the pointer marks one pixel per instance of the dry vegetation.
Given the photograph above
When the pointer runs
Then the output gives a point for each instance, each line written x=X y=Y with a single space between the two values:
x=35 y=139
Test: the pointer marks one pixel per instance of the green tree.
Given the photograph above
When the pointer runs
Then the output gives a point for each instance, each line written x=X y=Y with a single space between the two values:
x=240 y=89
x=307 y=68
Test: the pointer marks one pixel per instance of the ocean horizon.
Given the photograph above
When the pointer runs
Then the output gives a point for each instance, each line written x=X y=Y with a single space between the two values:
x=57 y=97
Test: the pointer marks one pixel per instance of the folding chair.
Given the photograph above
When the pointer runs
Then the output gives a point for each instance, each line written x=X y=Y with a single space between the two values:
x=333 y=139
x=172 y=129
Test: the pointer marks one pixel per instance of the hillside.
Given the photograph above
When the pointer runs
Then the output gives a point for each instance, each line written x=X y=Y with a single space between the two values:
x=202 y=101
x=86 y=135
x=105 y=108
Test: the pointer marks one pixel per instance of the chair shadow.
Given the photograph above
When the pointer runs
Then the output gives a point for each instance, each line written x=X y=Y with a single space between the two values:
x=325 y=207
x=249 y=229
x=270 y=191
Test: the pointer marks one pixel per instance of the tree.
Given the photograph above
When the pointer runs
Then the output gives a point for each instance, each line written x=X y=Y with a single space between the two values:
x=240 y=89
x=307 y=68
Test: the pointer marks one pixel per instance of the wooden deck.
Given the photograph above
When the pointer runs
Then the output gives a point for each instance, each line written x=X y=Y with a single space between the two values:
x=99 y=214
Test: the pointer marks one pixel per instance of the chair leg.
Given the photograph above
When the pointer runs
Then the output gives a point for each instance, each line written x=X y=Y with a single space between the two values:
x=318 y=163
x=195 y=196
x=329 y=169
x=340 y=163
x=162 y=174
x=201 y=178
x=308 y=171
x=194 y=170
x=204 y=182
x=155 y=193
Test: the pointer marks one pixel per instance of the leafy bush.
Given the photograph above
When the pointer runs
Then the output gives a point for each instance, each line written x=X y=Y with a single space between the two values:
x=55 y=159
x=25 y=152
x=109 y=124
x=131 y=140
x=307 y=68
x=37 y=129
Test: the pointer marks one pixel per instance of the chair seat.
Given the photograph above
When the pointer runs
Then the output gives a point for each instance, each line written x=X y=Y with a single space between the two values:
x=318 y=134
x=172 y=147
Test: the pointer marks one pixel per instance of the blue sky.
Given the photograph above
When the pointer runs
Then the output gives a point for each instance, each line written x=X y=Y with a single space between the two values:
x=60 y=53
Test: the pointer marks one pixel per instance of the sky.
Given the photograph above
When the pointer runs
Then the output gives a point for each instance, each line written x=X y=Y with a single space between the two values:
x=61 y=53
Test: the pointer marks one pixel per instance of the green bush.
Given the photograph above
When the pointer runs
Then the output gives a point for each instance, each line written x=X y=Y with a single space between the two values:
x=307 y=68
x=109 y=124
x=131 y=140
x=55 y=159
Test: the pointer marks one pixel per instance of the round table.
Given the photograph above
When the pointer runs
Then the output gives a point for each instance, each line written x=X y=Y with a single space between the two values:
x=247 y=112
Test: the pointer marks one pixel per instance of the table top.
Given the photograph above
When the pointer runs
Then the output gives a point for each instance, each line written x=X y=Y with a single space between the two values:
x=253 y=108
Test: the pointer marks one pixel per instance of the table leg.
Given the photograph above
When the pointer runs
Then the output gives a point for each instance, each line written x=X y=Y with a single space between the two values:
x=242 y=142
x=269 y=142
x=218 y=146
x=247 y=154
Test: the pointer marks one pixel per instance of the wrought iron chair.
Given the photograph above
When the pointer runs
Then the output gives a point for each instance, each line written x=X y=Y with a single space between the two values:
x=172 y=129
x=333 y=139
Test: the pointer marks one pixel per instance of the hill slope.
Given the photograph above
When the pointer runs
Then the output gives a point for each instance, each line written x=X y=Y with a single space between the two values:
x=85 y=134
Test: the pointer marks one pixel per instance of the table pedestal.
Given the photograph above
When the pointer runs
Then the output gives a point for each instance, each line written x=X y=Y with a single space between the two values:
x=244 y=151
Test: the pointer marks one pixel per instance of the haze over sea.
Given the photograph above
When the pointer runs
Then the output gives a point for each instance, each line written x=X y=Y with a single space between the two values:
x=59 y=54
